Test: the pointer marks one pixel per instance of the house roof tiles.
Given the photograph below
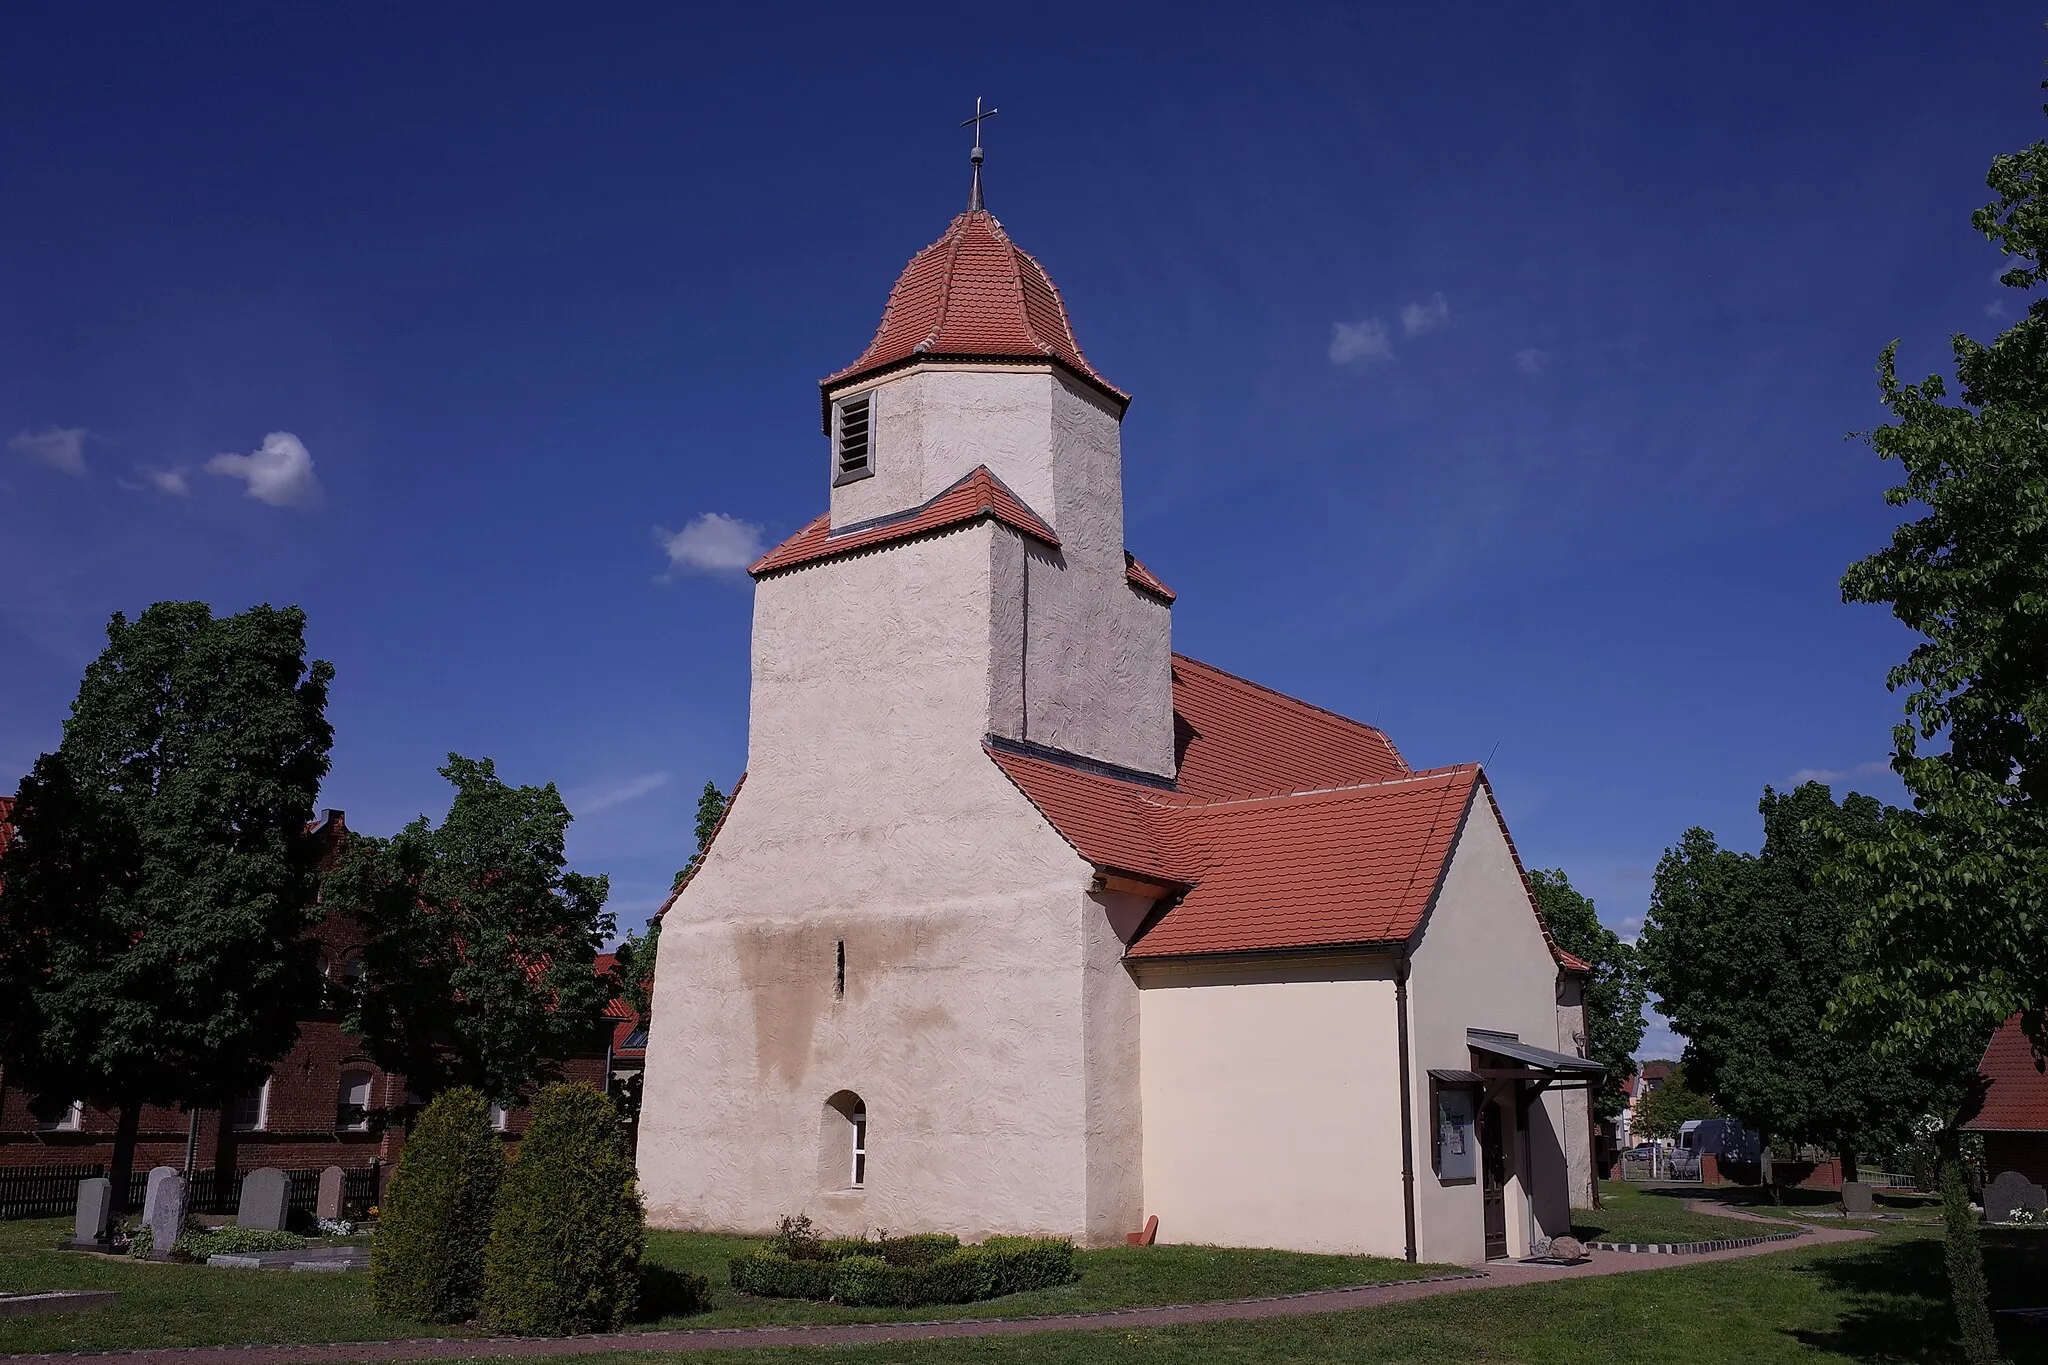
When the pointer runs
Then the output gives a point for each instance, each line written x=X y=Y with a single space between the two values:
x=976 y=495
x=974 y=295
x=2017 y=1099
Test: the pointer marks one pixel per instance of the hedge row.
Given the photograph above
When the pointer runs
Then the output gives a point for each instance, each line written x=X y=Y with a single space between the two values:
x=906 y=1272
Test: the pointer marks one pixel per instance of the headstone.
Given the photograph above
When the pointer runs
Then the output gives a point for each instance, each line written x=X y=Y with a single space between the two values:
x=332 y=1182
x=166 y=1216
x=95 y=1202
x=265 y=1193
x=1856 y=1197
x=157 y=1176
x=2010 y=1190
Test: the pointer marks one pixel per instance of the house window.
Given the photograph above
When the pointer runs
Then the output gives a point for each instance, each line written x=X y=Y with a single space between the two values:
x=853 y=440
x=499 y=1114
x=251 y=1113
x=860 y=1147
x=352 y=1109
x=59 y=1117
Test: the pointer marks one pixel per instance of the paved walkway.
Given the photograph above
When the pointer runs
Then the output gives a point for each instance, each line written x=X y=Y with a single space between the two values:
x=729 y=1338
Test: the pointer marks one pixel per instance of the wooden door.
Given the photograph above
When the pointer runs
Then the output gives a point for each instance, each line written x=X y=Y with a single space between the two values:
x=1493 y=1179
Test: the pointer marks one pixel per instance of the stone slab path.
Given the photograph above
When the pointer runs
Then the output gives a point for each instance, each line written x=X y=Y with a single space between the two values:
x=730 y=1338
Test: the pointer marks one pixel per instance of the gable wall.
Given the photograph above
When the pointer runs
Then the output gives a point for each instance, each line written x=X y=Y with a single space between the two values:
x=1480 y=961
x=974 y=955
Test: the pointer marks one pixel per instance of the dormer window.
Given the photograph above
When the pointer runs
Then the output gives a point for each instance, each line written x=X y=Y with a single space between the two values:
x=853 y=444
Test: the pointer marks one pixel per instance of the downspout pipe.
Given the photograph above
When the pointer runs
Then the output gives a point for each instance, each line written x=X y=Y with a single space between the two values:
x=1407 y=1101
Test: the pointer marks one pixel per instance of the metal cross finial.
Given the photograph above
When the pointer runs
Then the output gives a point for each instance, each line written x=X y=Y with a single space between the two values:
x=974 y=193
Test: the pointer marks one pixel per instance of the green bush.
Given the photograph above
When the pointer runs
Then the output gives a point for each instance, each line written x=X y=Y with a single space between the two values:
x=196 y=1244
x=903 y=1272
x=564 y=1253
x=427 y=1255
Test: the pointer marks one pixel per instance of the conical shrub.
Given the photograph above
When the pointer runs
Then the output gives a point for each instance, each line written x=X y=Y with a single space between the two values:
x=565 y=1245
x=427 y=1256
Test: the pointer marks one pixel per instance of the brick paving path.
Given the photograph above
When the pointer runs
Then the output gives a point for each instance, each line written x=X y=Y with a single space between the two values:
x=728 y=1338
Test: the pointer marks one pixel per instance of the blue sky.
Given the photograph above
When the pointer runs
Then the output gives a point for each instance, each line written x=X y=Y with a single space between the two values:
x=1492 y=364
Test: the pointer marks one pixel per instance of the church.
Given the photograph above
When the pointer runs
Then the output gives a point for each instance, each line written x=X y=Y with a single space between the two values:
x=1021 y=922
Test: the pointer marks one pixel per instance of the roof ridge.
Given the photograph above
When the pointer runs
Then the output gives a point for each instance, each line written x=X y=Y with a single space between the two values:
x=951 y=241
x=1243 y=681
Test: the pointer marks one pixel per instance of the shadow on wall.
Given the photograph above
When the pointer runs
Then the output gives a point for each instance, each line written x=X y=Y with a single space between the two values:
x=1897 y=1299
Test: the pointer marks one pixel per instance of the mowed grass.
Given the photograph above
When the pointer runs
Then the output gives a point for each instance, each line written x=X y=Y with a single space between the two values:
x=1634 y=1213
x=1876 y=1302
x=181 y=1305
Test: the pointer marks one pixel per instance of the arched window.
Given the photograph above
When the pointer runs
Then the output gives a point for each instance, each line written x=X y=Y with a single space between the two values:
x=250 y=1113
x=352 y=1106
x=843 y=1143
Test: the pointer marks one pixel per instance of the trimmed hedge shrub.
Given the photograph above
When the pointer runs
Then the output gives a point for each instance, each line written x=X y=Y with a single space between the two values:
x=902 y=1272
x=427 y=1255
x=564 y=1254
x=196 y=1244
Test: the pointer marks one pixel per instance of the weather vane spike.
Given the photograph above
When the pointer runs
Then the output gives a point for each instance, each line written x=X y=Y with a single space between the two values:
x=974 y=193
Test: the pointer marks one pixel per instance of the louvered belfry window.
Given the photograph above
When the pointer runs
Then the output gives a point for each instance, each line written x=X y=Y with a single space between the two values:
x=856 y=439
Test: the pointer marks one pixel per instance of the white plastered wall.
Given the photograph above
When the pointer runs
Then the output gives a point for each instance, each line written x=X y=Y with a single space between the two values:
x=1576 y=1108
x=983 y=1022
x=1481 y=961
x=1272 y=1104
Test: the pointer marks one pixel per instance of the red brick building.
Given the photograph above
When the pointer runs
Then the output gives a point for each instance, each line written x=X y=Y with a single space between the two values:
x=2013 y=1115
x=319 y=1108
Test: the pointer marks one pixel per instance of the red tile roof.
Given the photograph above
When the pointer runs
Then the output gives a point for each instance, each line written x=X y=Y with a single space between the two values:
x=1144 y=578
x=978 y=494
x=2017 y=1100
x=1239 y=739
x=974 y=295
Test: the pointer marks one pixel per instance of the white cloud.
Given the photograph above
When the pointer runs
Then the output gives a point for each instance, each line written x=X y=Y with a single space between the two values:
x=713 y=543
x=1360 y=343
x=1832 y=775
x=591 y=800
x=61 y=448
x=170 y=481
x=1530 y=361
x=1427 y=316
x=280 y=472
x=1995 y=309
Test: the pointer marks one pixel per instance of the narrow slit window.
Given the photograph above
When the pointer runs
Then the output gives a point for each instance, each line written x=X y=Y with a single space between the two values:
x=839 y=972
x=860 y=1147
x=855 y=446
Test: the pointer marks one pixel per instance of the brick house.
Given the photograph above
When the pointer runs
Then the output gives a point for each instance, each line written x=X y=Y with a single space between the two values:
x=316 y=1110
x=2013 y=1113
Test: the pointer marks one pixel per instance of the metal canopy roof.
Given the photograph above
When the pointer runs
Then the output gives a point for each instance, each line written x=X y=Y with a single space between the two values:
x=1561 y=1065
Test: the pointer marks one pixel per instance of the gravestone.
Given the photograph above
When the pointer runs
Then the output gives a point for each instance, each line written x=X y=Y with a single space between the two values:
x=95 y=1202
x=332 y=1181
x=166 y=1217
x=1856 y=1197
x=265 y=1194
x=2010 y=1190
x=157 y=1176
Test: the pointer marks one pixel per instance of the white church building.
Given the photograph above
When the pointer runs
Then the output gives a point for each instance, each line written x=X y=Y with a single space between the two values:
x=1022 y=923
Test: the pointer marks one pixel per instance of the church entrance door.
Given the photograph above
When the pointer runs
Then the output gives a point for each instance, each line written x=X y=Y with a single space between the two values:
x=1493 y=1180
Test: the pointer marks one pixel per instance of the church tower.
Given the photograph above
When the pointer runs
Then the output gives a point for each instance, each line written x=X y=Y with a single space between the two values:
x=892 y=995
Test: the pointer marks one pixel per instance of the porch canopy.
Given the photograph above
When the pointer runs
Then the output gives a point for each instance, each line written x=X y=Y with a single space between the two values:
x=1501 y=1059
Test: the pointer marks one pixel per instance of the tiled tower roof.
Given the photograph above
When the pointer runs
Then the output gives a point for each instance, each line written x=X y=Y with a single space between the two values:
x=974 y=295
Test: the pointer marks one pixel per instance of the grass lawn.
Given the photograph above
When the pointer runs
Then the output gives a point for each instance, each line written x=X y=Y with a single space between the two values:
x=1634 y=1213
x=180 y=1305
x=1881 y=1302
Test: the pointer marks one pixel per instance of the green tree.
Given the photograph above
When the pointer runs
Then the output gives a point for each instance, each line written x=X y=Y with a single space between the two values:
x=565 y=1246
x=636 y=952
x=1672 y=1105
x=479 y=962
x=1956 y=927
x=1747 y=951
x=154 y=899
x=427 y=1257
x=1615 y=993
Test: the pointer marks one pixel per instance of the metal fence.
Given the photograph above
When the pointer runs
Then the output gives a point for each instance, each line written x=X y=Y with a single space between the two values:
x=52 y=1191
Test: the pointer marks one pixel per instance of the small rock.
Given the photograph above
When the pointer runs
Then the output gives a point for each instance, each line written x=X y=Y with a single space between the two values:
x=1566 y=1249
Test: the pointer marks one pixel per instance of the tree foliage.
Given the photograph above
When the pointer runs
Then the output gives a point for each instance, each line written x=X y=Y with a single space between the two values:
x=1746 y=952
x=1615 y=993
x=154 y=898
x=1955 y=930
x=1673 y=1104
x=479 y=961
x=427 y=1258
x=564 y=1253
